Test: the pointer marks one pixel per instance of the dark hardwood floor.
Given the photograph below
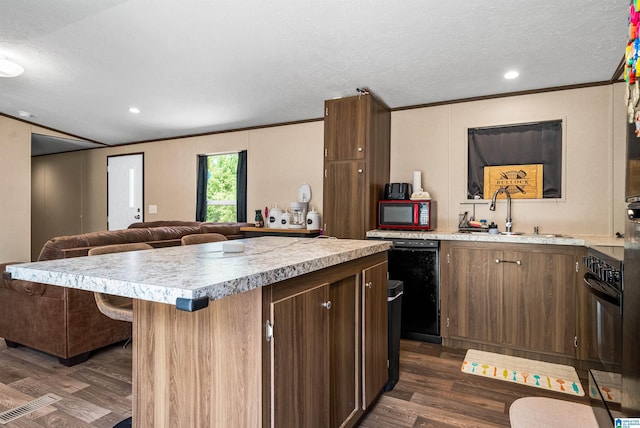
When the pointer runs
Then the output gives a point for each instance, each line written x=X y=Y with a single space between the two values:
x=432 y=391
x=96 y=393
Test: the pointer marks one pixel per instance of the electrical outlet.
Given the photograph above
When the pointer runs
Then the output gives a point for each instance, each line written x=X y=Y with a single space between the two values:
x=153 y=209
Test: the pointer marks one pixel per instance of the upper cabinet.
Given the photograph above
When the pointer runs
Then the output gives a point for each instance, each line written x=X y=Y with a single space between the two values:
x=357 y=133
x=345 y=122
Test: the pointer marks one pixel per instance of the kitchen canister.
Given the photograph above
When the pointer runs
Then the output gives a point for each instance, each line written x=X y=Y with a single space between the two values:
x=285 y=220
x=313 y=219
x=275 y=214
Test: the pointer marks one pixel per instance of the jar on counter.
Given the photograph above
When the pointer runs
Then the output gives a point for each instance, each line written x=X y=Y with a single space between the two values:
x=259 y=221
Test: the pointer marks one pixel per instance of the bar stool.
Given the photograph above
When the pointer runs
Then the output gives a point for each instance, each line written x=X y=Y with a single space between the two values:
x=202 y=238
x=117 y=307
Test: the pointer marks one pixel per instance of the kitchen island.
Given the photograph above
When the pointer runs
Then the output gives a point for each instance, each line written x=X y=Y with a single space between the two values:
x=278 y=325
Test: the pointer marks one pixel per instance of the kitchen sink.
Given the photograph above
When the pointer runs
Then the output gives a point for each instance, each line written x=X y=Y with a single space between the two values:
x=534 y=235
x=522 y=234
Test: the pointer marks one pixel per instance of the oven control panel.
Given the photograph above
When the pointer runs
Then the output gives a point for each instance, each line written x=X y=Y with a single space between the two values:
x=604 y=271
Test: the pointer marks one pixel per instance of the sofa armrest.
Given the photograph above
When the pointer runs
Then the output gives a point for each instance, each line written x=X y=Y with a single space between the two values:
x=27 y=287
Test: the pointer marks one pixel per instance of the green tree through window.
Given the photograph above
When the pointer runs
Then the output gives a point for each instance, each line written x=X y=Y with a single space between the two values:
x=221 y=187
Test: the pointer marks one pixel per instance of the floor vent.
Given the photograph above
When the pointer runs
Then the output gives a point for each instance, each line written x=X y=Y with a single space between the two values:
x=25 y=409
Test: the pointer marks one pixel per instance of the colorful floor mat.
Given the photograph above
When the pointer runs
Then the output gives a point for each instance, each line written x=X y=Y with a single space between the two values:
x=538 y=374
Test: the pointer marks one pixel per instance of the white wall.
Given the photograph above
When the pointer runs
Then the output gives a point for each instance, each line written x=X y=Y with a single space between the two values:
x=15 y=190
x=431 y=139
x=434 y=140
x=280 y=159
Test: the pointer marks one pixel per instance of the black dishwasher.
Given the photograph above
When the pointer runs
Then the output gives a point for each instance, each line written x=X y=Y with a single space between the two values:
x=416 y=262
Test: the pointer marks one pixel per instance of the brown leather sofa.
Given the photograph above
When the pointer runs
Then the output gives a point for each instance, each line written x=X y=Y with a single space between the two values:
x=65 y=322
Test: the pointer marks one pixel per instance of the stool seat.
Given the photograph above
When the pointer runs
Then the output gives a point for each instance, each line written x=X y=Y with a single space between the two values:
x=116 y=307
x=202 y=238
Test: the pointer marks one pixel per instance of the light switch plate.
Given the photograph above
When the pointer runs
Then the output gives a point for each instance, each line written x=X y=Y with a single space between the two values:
x=153 y=209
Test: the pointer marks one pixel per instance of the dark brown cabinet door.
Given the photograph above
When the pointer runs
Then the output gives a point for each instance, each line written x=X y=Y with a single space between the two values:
x=300 y=359
x=516 y=296
x=344 y=352
x=357 y=133
x=475 y=295
x=345 y=128
x=539 y=309
x=344 y=199
x=375 y=332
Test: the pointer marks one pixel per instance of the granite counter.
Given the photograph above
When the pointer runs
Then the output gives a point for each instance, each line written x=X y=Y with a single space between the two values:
x=547 y=239
x=194 y=271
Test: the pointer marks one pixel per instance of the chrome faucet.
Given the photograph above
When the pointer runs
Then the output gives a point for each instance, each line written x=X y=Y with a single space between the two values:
x=492 y=207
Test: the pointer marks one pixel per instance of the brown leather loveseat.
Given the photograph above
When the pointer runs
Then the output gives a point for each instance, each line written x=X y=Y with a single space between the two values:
x=65 y=322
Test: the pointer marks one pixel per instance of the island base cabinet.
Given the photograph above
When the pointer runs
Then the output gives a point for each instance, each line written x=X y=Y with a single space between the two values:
x=299 y=369
x=326 y=352
x=344 y=351
x=375 y=332
x=310 y=352
x=198 y=369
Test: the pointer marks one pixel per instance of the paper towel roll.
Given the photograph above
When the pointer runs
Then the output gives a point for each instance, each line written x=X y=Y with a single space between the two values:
x=417 y=181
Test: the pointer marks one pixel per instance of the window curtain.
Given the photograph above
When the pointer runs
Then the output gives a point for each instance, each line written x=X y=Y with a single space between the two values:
x=536 y=143
x=201 y=191
x=241 y=187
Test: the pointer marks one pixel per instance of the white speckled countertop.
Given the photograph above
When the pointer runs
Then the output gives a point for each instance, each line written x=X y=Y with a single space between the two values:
x=194 y=271
x=583 y=241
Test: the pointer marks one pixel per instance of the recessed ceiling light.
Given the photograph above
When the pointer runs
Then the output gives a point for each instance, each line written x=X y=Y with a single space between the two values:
x=24 y=114
x=511 y=74
x=9 y=68
x=134 y=110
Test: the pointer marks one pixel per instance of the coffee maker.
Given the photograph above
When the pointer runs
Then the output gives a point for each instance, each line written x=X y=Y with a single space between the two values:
x=298 y=215
x=299 y=209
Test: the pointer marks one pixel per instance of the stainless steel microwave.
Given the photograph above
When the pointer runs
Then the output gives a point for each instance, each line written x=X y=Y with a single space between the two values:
x=406 y=215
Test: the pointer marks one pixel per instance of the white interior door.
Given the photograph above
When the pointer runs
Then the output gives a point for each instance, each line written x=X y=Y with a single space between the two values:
x=124 y=190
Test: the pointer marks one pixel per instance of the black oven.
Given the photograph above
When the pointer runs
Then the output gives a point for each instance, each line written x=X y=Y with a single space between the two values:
x=604 y=281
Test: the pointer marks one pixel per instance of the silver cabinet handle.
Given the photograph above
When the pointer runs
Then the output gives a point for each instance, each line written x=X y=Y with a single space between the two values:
x=517 y=262
x=360 y=170
x=327 y=304
x=369 y=284
x=359 y=149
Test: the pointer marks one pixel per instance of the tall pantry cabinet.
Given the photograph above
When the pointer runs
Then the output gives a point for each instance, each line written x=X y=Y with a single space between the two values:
x=357 y=133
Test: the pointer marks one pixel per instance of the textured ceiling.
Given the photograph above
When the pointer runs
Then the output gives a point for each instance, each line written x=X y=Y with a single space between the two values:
x=196 y=66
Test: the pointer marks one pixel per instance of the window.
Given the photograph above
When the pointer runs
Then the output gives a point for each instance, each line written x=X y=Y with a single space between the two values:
x=221 y=187
x=534 y=143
